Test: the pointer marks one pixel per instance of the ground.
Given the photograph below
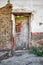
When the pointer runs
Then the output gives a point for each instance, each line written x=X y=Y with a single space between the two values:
x=23 y=57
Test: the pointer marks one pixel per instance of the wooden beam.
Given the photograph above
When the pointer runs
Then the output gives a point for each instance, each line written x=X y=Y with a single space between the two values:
x=22 y=13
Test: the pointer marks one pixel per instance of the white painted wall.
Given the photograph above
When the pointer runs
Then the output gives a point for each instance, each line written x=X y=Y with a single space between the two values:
x=33 y=5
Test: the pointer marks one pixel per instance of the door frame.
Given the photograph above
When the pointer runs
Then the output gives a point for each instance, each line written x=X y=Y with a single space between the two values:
x=29 y=14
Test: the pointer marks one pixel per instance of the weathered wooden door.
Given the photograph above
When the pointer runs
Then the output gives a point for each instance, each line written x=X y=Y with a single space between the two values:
x=22 y=32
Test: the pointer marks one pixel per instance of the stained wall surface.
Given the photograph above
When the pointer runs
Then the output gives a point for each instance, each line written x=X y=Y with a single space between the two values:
x=34 y=5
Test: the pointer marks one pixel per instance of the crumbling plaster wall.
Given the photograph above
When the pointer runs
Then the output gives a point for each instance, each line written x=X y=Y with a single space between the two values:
x=36 y=6
x=33 y=5
x=5 y=26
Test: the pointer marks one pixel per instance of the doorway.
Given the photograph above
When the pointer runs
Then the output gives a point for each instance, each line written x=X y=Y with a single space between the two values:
x=22 y=29
x=22 y=32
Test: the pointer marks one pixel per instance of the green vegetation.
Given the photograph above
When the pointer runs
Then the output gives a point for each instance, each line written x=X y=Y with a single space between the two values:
x=19 y=16
x=37 y=48
x=37 y=51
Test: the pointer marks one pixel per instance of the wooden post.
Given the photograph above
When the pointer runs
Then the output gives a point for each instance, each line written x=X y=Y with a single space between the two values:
x=29 y=30
x=13 y=31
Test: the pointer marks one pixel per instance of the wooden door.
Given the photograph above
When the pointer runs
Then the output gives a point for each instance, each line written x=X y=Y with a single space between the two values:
x=22 y=32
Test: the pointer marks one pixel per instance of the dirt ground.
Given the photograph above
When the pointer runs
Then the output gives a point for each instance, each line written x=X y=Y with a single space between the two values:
x=23 y=57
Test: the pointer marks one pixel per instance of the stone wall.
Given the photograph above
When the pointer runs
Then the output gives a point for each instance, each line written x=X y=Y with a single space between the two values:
x=5 y=26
